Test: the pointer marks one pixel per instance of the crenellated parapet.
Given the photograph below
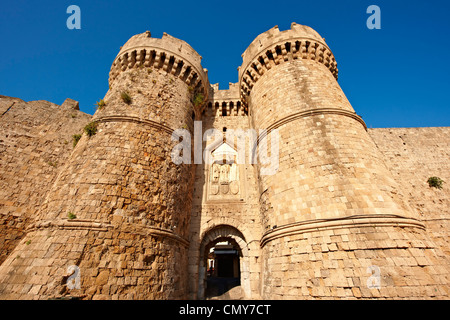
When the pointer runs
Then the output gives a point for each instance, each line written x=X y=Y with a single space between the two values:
x=169 y=54
x=225 y=102
x=275 y=47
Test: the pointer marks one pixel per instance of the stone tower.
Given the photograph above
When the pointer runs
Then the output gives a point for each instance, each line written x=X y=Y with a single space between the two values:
x=119 y=210
x=332 y=212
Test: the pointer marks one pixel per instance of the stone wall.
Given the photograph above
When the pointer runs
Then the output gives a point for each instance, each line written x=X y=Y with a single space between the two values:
x=413 y=155
x=342 y=262
x=35 y=143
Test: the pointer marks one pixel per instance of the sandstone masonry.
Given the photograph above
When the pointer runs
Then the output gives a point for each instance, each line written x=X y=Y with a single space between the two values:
x=348 y=214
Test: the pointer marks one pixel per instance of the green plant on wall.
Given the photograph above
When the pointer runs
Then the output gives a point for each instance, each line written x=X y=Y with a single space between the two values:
x=100 y=104
x=54 y=164
x=198 y=100
x=91 y=128
x=435 y=182
x=76 y=138
x=71 y=216
x=125 y=97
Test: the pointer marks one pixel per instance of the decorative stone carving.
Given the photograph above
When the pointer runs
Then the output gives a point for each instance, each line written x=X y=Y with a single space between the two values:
x=234 y=187
x=224 y=178
x=224 y=172
x=224 y=188
x=214 y=189
x=215 y=172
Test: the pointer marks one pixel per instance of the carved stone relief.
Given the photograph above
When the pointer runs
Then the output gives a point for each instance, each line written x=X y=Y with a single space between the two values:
x=224 y=178
x=224 y=172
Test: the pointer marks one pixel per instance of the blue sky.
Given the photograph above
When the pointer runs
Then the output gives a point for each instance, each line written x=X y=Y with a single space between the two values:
x=394 y=77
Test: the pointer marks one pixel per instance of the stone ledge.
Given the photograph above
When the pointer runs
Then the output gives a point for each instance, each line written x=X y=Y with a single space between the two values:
x=310 y=113
x=345 y=222
x=84 y=224
x=155 y=231
x=150 y=123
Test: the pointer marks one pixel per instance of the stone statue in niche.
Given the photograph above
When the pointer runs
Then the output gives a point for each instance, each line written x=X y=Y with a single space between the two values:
x=215 y=172
x=224 y=178
x=224 y=172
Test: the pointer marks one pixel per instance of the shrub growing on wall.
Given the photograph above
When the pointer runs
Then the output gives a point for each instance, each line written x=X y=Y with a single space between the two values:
x=125 y=97
x=91 y=129
x=435 y=182
x=76 y=138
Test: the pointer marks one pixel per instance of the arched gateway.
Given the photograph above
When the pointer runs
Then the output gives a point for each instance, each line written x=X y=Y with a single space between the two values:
x=223 y=262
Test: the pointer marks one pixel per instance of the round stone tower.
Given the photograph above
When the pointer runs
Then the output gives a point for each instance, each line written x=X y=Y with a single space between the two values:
x=115 y=224
x=331 y=197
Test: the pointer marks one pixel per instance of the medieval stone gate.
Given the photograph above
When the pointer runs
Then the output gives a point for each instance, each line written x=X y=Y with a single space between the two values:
x=344 y=197
x=217 y=234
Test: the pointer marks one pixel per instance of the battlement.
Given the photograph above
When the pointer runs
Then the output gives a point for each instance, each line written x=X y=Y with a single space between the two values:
x=169 y=54
x=274 y=47
x=226 y=102
x=274 y=35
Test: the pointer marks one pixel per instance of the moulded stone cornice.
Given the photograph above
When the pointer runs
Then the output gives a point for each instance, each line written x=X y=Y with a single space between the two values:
x=358 y=221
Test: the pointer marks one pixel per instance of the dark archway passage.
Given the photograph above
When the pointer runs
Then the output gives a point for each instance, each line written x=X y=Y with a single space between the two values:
x=223 y=264
x=223 y=268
